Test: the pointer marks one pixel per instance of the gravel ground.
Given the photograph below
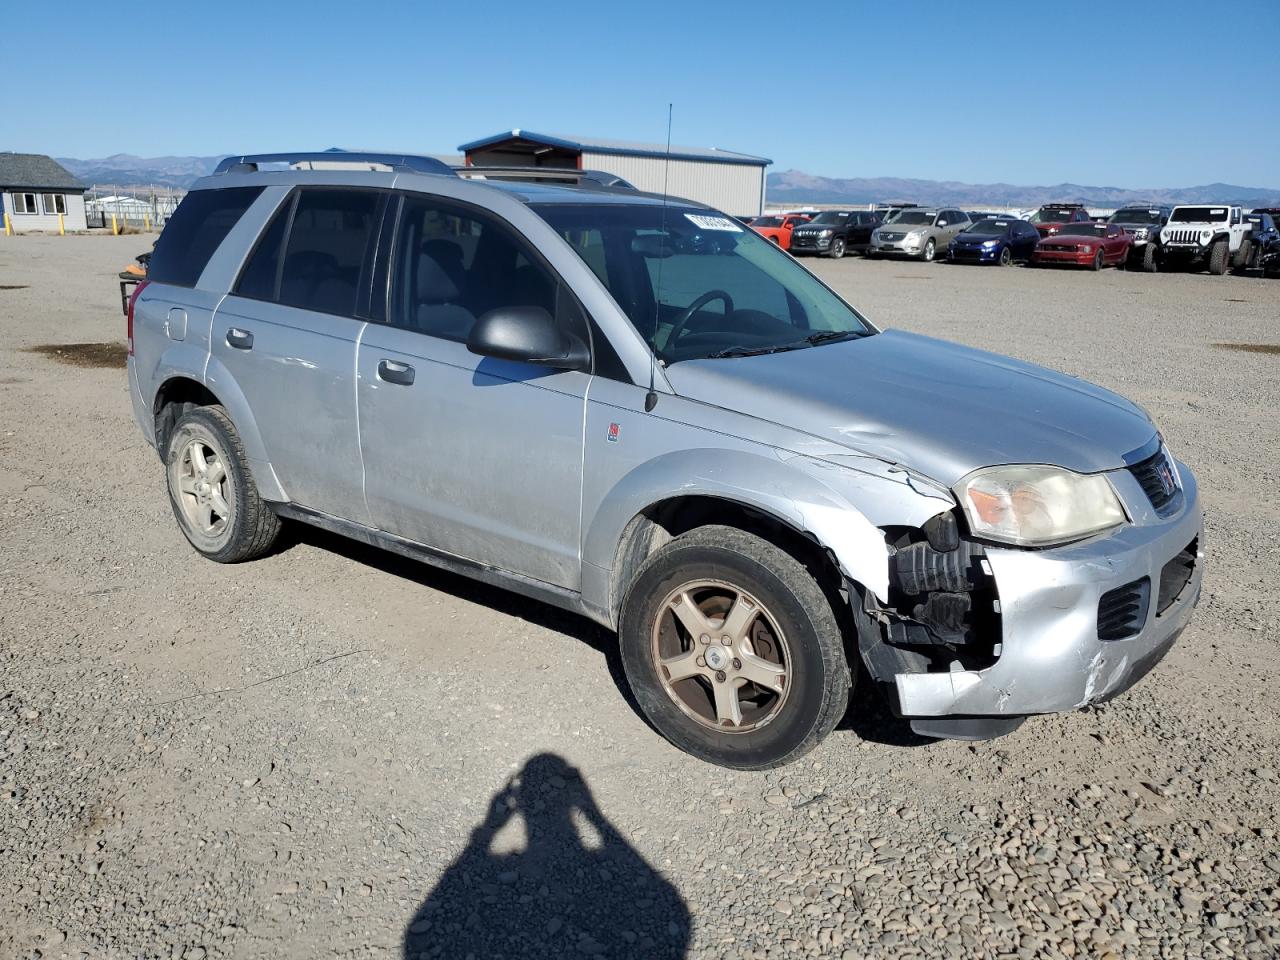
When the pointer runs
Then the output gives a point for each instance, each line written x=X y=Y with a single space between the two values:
x=333 y=752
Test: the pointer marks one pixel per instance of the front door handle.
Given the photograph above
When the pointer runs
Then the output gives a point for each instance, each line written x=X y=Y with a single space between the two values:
x=393 y=371
x=240 y=339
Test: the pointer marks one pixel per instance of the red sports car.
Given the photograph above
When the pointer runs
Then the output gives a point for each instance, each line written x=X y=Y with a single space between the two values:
x=1084 y=245
x=778 y=228
x=1052 y=217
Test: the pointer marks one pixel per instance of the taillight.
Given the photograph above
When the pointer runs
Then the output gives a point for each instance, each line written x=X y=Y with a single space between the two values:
x=133 y=298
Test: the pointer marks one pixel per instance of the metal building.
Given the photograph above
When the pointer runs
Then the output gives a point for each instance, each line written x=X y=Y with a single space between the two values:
x=729 y=181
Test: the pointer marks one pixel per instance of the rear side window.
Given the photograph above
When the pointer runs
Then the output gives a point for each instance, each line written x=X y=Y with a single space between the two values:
x=328 y=253
x=260 y=278
x=201 y=222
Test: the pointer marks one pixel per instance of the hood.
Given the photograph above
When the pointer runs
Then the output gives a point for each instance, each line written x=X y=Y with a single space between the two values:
x=979 y=238
x=937 y=407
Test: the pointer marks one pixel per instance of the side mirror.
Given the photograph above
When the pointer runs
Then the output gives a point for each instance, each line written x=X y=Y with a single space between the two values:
x=527 y=335
x=942 y=223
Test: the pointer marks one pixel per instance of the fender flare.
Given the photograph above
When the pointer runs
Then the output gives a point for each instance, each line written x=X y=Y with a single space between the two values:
x=223 y=386
x=778 y=489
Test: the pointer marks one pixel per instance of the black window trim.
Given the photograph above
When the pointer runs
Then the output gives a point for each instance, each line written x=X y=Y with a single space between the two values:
x=364 y=294
x=531 y=252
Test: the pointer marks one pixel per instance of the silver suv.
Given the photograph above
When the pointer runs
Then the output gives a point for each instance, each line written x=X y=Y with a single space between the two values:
x=634 y=408
x=917 y=232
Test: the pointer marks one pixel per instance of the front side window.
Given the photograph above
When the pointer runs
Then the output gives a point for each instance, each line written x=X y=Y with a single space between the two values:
x=196 y=229
x=328 y=254
x=55 y=203
x=453 y=265
x=24 y=203
x=695 y=285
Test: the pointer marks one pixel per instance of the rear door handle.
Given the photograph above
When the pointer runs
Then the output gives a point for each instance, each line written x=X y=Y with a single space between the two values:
x=394 y=372
x=240 y=339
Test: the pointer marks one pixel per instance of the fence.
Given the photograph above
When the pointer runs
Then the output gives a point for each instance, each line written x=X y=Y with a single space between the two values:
x=129 y=210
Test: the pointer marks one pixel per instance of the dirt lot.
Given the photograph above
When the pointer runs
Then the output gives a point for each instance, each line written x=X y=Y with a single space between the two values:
x=334 y=753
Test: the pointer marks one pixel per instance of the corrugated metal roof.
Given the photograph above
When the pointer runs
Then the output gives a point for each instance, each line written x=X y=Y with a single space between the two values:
x=622 y=147
x=35 y=171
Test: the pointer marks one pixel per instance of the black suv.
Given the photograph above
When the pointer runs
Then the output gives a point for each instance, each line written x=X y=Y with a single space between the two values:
x=833 y=233
x=1264 y=238
x=1142 y=223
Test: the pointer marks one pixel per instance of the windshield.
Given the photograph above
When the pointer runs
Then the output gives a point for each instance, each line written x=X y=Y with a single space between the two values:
x=1085 y=229
x=713 y=287
x=989 y=228
x=910 y=217
x=1135 y=216
x=1052 y=214
x=767 y=222
x=833 y=217
x=1197 y=214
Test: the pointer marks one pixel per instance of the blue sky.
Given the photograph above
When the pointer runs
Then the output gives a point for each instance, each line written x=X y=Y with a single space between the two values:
x=1020 y=92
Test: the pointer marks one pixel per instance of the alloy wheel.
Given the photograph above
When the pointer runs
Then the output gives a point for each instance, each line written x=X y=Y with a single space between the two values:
x=720 y=656
x=202 y=488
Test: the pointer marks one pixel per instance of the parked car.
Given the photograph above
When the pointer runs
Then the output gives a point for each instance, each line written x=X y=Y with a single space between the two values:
x=1213 y=237
x=720 y=459
x=918 y=232
x=778 y=228
x=833 y=233
x=1052 y=217
x=1271 y=265
x=1264 y=238
x=1083 y=244
x=1142 y=223
x=994 y=241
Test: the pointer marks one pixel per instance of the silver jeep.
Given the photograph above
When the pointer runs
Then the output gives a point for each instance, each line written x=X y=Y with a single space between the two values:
x=632 y=407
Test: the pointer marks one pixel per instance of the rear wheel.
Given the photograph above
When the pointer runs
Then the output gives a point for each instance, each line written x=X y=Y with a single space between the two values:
x=212 y=492
x=733 y=650
x=1219 y=258
x=836 y=250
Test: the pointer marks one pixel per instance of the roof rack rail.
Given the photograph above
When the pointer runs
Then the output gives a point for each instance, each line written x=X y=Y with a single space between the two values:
x=581 y=178
x=328 y=159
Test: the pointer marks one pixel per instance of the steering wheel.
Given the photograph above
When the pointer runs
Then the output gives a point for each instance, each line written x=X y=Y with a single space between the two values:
x=682 y=321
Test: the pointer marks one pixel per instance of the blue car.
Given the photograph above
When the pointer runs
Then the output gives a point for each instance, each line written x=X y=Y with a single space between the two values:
x=999 y=241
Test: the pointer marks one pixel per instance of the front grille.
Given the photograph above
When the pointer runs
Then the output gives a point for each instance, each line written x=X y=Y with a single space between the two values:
x=891 y=237
x=1175 y=575
x=1158 y=478
x=1183 y=236
x=1123 y=611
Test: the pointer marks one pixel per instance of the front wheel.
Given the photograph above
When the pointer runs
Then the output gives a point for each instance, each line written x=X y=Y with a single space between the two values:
x=930 y=250
x=732 y=650
x=212 y=493
x=1150 y=260
x=1219 y=258
x=1006 y=257
x=836 y=251
x=1098 y=259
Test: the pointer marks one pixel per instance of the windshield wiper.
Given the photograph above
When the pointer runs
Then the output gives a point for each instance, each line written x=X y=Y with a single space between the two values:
x=737 y=350
x=824 y=336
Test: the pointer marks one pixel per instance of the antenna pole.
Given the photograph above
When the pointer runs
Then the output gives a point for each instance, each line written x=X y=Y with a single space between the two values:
x=651 y=398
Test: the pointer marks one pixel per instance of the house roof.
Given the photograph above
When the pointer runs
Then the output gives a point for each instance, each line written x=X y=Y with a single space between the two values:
x=35 y=171
x=625 y=148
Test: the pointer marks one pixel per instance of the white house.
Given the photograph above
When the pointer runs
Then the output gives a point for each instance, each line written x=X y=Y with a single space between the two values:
x=35 y=189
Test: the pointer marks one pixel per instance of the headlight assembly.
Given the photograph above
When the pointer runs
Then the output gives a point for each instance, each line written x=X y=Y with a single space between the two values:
x=1037 y=505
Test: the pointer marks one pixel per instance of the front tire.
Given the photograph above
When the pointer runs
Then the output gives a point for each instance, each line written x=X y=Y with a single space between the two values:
x=930 y=251
x=1006 y=257
x=766 y=697
x=836 y=250
x=1219 y=258
x=1098 y=259
x=1150 y=259
x=212 y=492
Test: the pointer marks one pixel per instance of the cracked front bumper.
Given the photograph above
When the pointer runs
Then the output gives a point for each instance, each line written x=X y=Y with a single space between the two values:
x=1052 y=658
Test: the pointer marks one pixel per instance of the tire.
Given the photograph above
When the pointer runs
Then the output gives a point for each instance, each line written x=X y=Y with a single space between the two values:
x=1006 y=257
x=1098 y=259
x=722 y=569
x=930 y=251
x=240 y=525
x=1219 y=258
x=1150 y=260
x=1240 y=262
x=836 y=250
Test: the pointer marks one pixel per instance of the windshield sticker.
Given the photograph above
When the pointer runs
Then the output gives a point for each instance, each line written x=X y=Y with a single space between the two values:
x=713 y=223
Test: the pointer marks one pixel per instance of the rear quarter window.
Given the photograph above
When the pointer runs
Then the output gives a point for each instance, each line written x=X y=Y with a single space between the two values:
x=196 y=229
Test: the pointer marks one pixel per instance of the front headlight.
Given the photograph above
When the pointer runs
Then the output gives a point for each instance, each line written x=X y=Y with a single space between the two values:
x=990 y=244
x=1205 y=235
x=1086 y=249
x=1140 y=233
x=915 y=234
x=1036 y=505
x=826 y=233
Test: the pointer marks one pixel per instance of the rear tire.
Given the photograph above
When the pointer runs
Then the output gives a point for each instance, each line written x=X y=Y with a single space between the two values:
x=1219 y=258
x=793 y=636
x=212 y=492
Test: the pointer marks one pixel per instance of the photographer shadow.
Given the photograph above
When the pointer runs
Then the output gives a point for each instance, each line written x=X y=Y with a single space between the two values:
x=569 y=885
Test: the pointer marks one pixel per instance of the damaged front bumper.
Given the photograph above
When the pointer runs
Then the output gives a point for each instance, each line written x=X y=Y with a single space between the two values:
x=1051 y=655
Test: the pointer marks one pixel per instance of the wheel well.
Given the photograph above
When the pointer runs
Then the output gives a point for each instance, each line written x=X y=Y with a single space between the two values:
x=662 y=522
x=174 y=398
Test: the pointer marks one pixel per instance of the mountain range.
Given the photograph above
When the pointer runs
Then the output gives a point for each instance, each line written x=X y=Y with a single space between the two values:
x=790 y=186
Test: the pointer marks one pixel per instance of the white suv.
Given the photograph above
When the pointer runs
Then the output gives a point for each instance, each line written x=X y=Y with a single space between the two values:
x=1208 y=236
